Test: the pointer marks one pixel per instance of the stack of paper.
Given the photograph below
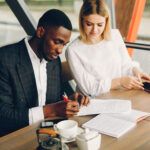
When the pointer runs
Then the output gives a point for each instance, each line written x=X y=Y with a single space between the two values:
x=105 y=106
x=115 y=124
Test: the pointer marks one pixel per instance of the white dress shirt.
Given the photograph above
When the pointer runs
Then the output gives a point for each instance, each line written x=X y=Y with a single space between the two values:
x=40 y=72
x=95 y=65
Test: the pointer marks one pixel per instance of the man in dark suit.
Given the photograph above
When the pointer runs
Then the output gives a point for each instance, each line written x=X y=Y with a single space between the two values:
x=31 y=88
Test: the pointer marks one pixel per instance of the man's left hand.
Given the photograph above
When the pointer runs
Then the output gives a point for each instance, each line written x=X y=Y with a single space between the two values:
x=80 y=98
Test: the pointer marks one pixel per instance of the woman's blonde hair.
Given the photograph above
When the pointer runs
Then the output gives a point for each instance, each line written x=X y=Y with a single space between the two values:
x=94 y=7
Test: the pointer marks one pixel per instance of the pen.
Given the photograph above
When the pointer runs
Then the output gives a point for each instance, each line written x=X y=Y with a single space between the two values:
x=65 y=98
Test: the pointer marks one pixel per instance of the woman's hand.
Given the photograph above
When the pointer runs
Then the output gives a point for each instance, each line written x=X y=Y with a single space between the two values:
x=131 y=83
x=140 y=75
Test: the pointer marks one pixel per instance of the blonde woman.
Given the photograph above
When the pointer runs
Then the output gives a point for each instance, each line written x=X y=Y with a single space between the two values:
x=98 y=58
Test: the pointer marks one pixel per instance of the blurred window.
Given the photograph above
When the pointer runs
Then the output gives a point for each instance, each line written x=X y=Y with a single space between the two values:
x=10 y=29
x=142 y=56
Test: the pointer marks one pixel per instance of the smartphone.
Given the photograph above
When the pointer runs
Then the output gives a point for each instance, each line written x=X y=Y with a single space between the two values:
x=146 y=86
x=50 y=123
x=46 y=124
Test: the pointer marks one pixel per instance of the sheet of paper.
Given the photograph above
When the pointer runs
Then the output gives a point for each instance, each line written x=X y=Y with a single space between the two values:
x=97 y=106
x=108 y=125
x=133 y=115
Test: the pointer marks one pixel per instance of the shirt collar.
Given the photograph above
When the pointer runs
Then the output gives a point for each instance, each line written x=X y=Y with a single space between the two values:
x=32 y=54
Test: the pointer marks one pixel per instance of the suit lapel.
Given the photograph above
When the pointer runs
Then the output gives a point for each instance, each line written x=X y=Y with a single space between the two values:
x=26 y=75
x=53 y=81
x=50 y=68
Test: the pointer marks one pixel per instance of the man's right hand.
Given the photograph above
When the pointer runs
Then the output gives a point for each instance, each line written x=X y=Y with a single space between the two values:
x=61 y=109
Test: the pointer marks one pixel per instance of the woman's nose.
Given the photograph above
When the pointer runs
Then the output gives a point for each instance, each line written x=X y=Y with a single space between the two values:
x=95 y=29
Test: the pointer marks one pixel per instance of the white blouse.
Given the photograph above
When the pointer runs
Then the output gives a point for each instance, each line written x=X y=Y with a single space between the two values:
x=95 y=65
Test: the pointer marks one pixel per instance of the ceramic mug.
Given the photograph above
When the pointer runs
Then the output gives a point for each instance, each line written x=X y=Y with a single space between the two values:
x=67 y=129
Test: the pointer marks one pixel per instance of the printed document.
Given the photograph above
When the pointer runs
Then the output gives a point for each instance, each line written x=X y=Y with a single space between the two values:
x=97 y=106
x=115 y=125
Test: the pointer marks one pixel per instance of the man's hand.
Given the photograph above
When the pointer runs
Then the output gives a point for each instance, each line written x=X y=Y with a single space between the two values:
x=80 y=98
x=66 y=109
x=72 y=108
x=61 y=109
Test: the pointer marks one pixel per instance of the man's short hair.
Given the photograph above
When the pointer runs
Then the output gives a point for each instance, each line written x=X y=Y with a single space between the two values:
x=56 y=18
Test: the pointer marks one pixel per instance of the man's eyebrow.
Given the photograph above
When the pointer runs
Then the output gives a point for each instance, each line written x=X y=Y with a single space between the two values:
x=61 y=41
x=58 y=39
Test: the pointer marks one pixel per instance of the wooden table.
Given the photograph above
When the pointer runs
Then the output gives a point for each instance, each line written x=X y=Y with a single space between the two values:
x=138 y=138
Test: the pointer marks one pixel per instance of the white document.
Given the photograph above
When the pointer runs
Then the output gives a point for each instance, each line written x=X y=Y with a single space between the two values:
x=97 y=106
x=132 y=116
x=115 y=125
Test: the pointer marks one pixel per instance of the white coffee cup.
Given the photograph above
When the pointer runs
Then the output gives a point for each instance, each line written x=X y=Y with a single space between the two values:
x=67 y=129
x=90 y=140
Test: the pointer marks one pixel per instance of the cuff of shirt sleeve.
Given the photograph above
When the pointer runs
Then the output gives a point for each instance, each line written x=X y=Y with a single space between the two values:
x=106 y=85
x=135 y=65
x=103 y=86
x=35 y=114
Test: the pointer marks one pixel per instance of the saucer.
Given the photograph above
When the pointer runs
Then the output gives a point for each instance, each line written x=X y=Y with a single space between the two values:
x=64 y=147
x=64 y=140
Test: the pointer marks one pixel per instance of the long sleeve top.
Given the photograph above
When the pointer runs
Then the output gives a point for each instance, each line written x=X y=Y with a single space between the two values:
x=95 y=65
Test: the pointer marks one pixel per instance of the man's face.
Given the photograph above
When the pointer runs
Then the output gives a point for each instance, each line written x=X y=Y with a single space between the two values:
x=53 y=41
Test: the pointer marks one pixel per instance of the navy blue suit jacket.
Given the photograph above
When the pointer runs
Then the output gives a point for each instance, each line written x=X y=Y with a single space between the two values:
x=18 y=91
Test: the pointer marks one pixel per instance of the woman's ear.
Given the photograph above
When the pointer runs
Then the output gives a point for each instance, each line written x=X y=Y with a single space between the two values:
x=40 y=32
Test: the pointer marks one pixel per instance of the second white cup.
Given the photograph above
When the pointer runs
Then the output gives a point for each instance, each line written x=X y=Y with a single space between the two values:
x=90 y=140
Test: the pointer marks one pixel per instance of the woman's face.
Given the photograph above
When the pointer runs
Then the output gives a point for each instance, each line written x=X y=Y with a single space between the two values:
x=94 y=26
